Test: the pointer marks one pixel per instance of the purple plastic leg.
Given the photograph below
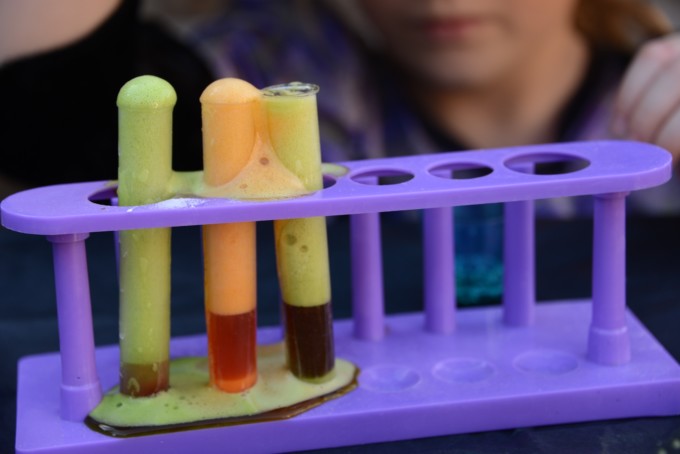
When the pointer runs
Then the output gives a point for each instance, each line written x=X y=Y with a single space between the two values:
x=519 y=264
x=80 y=388
x=608 y=341
x=439 y=271
x=368 y=307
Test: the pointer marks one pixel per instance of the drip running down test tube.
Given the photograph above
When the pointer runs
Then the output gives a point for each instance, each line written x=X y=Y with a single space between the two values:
x=230 y=109
x=145 y=107
x=301 y=244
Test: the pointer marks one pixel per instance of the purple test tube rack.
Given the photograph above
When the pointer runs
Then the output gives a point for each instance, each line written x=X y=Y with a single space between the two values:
x=437 y=372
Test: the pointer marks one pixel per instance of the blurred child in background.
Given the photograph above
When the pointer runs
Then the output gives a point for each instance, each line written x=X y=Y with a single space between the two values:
x=397 y=77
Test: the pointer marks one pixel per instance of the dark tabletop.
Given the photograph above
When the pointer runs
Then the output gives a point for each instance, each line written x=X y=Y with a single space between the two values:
x=28 y=322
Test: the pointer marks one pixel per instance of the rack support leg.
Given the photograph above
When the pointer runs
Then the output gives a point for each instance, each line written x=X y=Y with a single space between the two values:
x=80 y=387
x=368 y=306
x=439 y=270
x=608 y=341
x=519 y=272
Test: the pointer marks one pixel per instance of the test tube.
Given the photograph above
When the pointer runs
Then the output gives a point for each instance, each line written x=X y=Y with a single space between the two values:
x=230 y=108
x=145 y=107
x=301 y=244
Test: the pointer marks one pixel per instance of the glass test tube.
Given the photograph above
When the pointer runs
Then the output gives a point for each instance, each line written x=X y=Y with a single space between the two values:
x=145 y=168
x=301 y=244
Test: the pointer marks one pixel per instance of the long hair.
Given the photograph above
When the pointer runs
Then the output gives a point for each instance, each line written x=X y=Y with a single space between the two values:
x=620 y=24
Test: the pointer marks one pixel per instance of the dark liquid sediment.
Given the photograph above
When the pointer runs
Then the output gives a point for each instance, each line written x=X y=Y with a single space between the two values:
x=143 y=380
x=232 y=350
x=309 y=340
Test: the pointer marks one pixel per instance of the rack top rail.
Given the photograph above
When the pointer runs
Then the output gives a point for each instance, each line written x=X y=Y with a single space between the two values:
x=608 y=167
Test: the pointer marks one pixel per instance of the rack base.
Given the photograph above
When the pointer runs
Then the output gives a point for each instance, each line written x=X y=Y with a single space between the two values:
x=413 y=384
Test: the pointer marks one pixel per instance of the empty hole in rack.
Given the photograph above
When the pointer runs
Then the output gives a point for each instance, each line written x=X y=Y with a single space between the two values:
x=328 y=181
x=104 y=196
x=461 y=170
x=547 y=163
x=382 y=177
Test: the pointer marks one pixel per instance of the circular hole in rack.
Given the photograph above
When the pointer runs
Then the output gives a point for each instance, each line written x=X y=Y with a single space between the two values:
x=547 y=163
x=331 y=173
x=104 y=196
x=382 y=177
x=328 y=181
x=461 y=170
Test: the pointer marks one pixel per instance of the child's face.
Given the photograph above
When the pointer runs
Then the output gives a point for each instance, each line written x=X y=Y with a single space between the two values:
x=468 y=43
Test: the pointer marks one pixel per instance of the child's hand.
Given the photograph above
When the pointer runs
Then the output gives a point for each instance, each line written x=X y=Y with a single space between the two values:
x=648 y=103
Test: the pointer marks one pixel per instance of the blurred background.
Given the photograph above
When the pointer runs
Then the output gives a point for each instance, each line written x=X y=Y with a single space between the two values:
x=28 y=314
